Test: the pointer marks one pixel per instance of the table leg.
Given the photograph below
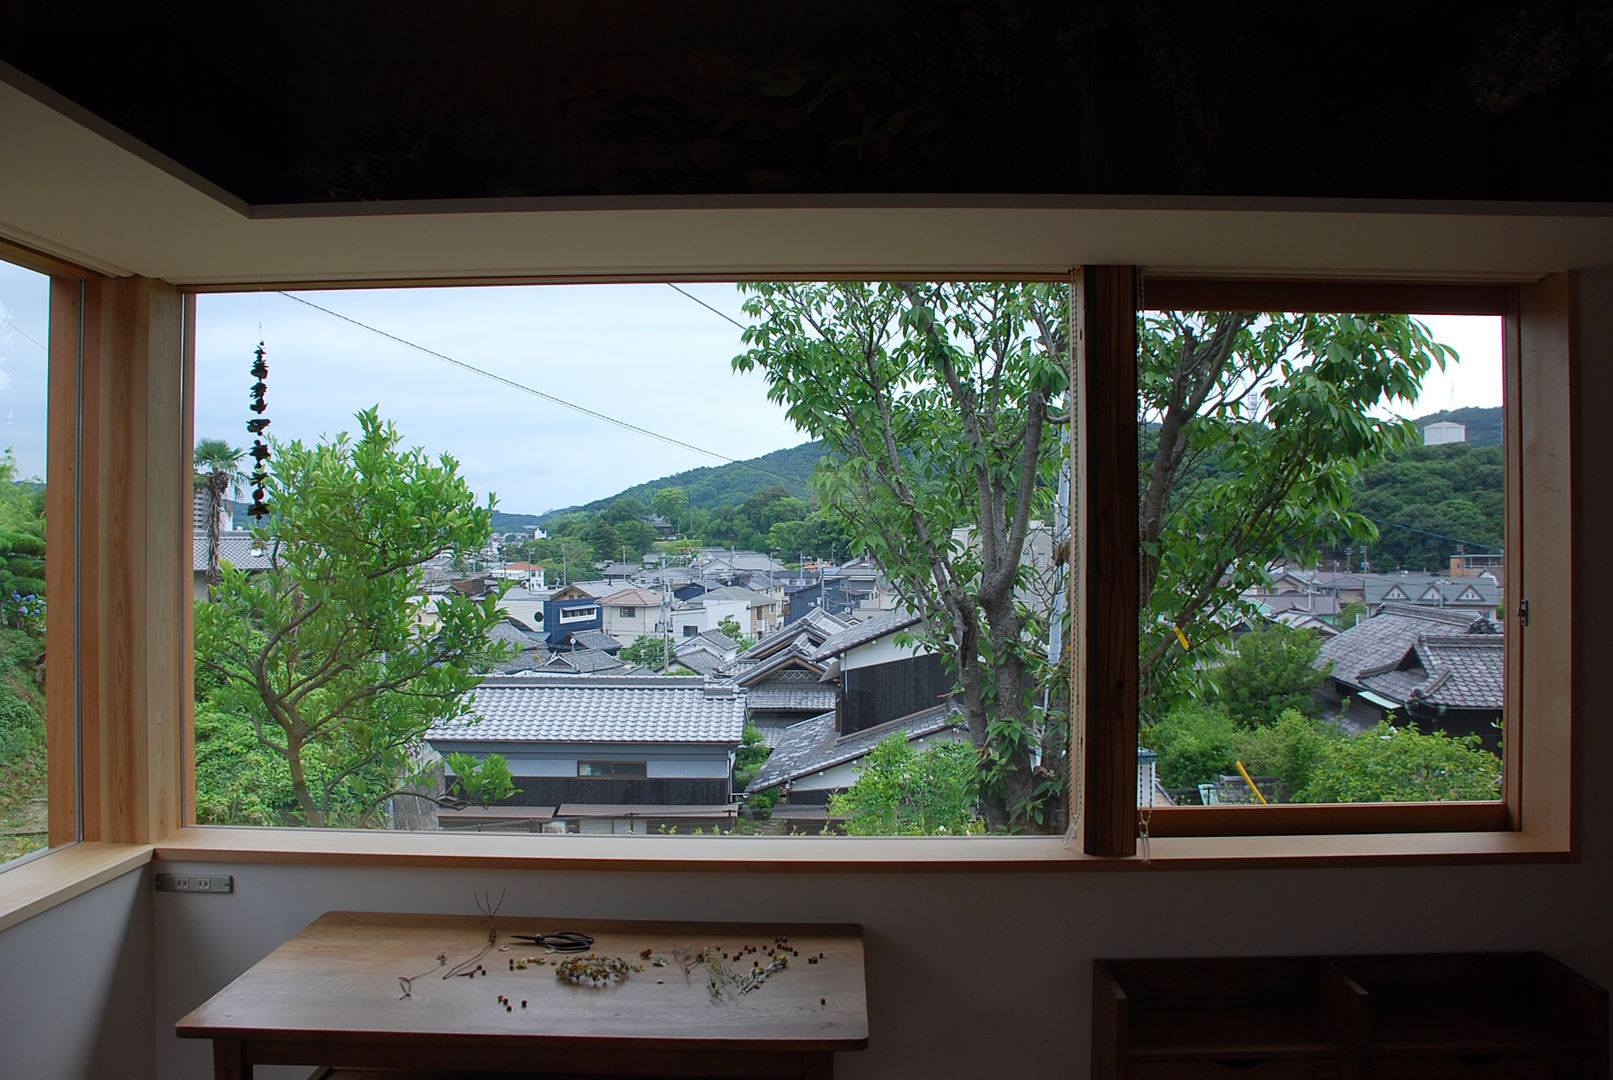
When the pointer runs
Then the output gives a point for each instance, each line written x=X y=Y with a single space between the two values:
x=230 y=1061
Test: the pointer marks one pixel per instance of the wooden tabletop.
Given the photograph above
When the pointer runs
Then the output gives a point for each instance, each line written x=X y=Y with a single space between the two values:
x=337 y=980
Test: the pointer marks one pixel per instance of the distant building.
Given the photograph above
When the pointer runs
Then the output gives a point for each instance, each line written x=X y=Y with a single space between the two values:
x=1444 y=431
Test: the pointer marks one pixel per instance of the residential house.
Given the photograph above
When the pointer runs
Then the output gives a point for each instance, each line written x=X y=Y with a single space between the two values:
x=633 y=613
x=1442 y=668
x=787 y=686
x=571 y=609
x=814 y=759
x=597 y=640
x=584 y=661
x=880 y=678
x=1427 y=590
x=757 y=613
x=523 y=605
x=617 y=573
x=528 y=649
x=528 y=575
x=608 y=754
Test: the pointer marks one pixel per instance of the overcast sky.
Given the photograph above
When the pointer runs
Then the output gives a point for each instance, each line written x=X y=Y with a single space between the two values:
x=644 y=354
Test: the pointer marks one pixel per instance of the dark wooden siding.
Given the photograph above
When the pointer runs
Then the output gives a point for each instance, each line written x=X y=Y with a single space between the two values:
x=873 y=695
x=632 y=791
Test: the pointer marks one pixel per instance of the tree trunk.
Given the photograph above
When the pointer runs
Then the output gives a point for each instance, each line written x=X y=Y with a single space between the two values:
x=312 y=812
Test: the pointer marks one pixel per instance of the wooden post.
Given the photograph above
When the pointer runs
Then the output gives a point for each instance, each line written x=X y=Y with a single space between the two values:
x=1106 y=535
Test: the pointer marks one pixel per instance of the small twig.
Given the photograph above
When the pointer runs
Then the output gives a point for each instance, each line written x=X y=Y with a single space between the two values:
x=406 y=982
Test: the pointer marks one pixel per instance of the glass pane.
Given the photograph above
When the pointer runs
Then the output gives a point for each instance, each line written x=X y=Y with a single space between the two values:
x=1322 y=514
x=24 y=322
x=714 y=594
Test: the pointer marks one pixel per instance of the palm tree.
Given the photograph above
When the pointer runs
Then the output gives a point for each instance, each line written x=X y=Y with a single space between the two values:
x=217 y=473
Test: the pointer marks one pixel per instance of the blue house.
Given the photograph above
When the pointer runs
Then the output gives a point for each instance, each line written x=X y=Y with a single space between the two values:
x=569 y=610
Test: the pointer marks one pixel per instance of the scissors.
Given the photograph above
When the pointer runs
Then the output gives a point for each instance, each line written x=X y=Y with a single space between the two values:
x=560 y=941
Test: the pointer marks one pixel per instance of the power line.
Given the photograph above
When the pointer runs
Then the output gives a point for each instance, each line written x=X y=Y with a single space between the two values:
x=624 y=424
x=708 y=307
x=1441 y=536
x=30 y=337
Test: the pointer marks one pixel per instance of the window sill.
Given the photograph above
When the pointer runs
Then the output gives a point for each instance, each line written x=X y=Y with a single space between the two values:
x=809 y=854
x=55 y=878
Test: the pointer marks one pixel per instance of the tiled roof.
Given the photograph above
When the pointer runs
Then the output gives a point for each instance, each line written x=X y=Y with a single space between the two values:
x=800 y=699
x=817 y=626
x=1458 y=671
x=599 y=709
x=585 y=660
x=1277 y=603
x=234 y=547
x=739 y=592
x=798 y=653
x=877 y=626
x=720 y=640
x=632 y=597
x=596 y=639
x=699 y=660
x=1378 y=644
x=1431 y=589
x=811 y=745
x=515 y=633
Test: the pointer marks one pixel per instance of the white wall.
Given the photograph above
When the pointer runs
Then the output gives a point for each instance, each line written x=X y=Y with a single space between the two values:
x=882 y=651
x=75 y=987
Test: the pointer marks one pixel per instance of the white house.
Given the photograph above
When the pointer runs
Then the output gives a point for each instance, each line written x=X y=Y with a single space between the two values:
x=632 y=613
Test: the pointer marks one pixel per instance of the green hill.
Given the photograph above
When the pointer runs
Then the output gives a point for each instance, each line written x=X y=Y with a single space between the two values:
x=723 y=485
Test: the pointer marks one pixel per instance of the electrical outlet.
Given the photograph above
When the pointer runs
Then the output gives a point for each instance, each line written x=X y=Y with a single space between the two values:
x=214 y=883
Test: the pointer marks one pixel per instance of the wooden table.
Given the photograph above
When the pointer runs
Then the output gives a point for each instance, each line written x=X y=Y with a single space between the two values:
x=331 y=996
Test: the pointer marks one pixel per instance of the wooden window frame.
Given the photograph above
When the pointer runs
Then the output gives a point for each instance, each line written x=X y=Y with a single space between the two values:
x=1540 y=775
x=134 y=645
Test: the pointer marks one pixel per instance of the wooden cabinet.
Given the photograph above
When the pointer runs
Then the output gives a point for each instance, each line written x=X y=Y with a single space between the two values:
x=1428 y=1016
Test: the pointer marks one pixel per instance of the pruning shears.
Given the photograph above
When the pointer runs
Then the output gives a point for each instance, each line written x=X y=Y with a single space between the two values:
x=559 y=941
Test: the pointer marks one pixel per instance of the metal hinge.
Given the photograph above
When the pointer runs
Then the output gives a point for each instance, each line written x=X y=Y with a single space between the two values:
x=1523 y=613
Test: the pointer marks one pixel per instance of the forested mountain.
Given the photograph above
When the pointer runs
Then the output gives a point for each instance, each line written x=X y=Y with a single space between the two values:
x=722 y=485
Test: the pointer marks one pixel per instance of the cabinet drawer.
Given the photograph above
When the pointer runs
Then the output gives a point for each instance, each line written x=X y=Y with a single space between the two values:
x=1245 y=1069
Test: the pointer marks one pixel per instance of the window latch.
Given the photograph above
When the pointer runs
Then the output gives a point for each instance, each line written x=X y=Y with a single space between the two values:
x=1523 y=613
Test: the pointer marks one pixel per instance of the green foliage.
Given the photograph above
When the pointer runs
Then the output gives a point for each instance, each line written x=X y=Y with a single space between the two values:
x=934 y=400
x=646 y=651
x=1351 y=613
x=23 y=766
x=1269 y=673
x=1428 y=499
x=1195 y=743
x=748 y=759
x=729 y=627
x=1400 y=764
x=904 y=792
x=22 y=550
x=1256 y=426
x=323 y=654
x=481 y=783
x=671 y=503
x=1288 y=749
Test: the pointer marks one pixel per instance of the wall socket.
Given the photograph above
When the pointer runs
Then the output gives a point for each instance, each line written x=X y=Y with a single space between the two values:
x=224 y=883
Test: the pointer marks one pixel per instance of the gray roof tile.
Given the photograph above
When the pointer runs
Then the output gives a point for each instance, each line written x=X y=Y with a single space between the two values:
x=802 y=699
x=599 y=709
x=234 y=547
x=877 y=626
x=585 y=660
x=811 y=745
x=1383 y=640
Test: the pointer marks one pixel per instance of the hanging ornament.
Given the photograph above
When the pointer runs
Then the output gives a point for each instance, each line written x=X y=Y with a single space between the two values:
x=260 y=449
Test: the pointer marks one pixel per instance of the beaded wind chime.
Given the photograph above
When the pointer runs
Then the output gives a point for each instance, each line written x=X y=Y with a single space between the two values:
x=260 y=449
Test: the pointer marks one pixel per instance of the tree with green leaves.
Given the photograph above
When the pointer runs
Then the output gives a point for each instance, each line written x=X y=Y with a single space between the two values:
x=753 y=752
x=1401 y=764
x=1254 y=427
x=937 y=403
x=903 y=791
x=646 y=651
x=1271 y=671
x=217 y=467
x=671 y=503
x=326 y=655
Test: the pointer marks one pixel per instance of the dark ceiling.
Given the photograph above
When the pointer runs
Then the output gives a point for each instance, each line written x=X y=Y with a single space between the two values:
x=306 y=103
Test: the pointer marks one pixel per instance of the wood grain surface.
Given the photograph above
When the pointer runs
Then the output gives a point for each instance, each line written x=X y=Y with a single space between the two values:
x=336 y=983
